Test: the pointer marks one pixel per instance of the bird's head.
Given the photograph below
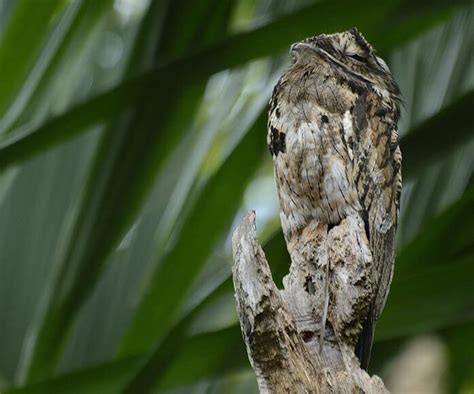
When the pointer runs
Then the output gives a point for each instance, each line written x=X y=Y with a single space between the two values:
x=350 y=54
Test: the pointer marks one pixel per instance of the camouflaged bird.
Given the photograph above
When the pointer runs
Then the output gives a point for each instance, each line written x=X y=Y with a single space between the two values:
x=332 y=132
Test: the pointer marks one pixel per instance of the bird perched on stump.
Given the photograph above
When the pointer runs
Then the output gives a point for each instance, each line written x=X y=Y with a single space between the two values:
x=332 y=133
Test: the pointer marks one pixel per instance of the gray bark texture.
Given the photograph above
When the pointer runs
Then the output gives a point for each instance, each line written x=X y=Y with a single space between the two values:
x=301 y=339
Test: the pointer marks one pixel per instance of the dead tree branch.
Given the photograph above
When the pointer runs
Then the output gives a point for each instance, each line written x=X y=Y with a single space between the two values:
x=301 y=339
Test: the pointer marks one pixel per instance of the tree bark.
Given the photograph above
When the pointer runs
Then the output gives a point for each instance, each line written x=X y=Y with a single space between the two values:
x=301 y=339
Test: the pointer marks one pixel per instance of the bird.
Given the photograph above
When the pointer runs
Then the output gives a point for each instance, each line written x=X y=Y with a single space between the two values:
x=332 y=134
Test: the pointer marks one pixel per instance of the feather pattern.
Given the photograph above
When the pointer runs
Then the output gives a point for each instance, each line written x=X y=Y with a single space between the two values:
x=332 y=134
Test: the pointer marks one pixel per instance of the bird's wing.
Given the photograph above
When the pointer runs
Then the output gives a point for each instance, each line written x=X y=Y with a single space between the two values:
x=377 y=173
x=377 y=166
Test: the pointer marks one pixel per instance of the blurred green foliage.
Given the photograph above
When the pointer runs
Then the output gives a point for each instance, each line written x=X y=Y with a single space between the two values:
x=132 y=138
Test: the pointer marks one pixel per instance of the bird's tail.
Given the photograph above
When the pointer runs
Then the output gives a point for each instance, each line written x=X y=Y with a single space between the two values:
x=364 y=344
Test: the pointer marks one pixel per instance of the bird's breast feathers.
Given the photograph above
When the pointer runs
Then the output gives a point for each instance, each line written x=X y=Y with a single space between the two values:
x=314 y=172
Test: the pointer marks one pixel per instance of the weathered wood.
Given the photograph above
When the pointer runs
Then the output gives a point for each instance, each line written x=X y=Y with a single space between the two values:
x=301 y=339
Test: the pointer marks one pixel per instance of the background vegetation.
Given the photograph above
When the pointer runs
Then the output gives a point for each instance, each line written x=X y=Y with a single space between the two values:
x=132 y=138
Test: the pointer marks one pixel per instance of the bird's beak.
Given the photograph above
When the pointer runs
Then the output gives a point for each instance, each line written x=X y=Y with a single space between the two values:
x=300 y=46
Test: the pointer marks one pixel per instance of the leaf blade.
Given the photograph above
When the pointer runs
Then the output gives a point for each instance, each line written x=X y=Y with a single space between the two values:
x=455 y=119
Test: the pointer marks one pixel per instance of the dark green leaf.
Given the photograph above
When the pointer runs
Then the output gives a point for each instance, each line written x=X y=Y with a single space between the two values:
x=433 y=299
x=21 y=43
x=202 y=356
x=438 y=135
x=207 y=356
x=158 y=362
x=72 y=40
x=81 y=118
x=446 y=238
x=459 y=341
x=278 y=257
x=106 y=378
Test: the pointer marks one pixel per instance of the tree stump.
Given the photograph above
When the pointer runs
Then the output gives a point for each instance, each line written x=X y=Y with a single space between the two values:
x=301 y=339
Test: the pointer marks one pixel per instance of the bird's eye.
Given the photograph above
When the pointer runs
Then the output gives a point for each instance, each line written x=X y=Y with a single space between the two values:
x=357 y=57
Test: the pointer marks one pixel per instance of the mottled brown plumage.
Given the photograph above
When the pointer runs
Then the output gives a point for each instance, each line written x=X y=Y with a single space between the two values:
x=332 y=132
